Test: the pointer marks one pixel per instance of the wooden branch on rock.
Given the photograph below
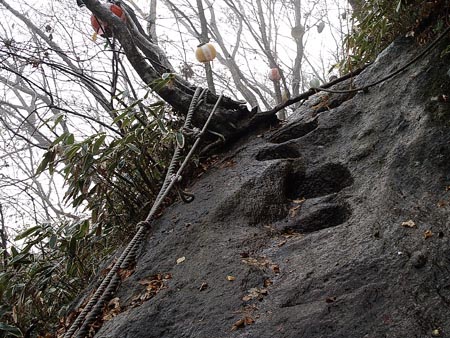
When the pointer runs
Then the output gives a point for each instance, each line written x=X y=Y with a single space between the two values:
x=307 y=94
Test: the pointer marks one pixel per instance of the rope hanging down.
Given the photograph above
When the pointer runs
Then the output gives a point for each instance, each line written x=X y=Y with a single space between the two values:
x=93 y=308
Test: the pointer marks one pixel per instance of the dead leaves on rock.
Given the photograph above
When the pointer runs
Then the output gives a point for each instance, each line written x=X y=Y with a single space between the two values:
x=247 y=317
x=112 y=309
x=255 y=293
x=125 y=273
x=409 y=224
x=153 y=285
x=426 y=234
x=267 y=282
x=295 y=209
x=275 y=268
x=247 y=320
x=239 y=324
x=262 y=263
x=227 y=164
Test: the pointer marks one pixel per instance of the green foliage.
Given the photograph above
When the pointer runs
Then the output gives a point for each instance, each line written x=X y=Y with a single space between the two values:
x=10 y=330
x=45 y=273
x=115 y=178
x=379 y=22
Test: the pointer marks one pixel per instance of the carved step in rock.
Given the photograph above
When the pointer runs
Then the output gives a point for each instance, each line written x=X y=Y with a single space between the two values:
x=322 y=216
x=283 y=151
x=330 y=178
x=316 y=214
x=293 y=131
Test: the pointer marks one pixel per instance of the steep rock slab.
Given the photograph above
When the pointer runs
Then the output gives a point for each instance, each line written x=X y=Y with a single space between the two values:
x=298 y=232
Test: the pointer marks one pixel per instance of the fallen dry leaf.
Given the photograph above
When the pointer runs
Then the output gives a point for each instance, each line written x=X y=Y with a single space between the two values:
x=239 y=324
x=125 y=273
x=105 y=271
x=255 y=293
x=181 y=260
x=153 y=285
x=47 y=335
x=246 y=298
x=293 y=211
x=151 y=279
x=281 y=243
x=228 y=164
x=260 y=262
x=275 y=268
x=248 y=320
x=330 y=299
x=442 y=204
x=231 y=278
x=427 y=234
x=267 y=282
x=436 y=333
x=409 y=224
x=112 y=309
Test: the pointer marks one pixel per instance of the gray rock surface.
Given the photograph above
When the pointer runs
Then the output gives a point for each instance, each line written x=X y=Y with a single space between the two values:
x=308 y=219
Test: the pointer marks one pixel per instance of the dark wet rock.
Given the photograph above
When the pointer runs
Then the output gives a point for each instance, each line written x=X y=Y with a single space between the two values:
x=326 y=179
x=293 y=131
x=312 y=213
x=283 y=151
x=418 y=259
x=315 y=214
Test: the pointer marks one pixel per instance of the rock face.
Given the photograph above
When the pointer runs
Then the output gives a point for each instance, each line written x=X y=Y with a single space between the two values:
x=299 y=231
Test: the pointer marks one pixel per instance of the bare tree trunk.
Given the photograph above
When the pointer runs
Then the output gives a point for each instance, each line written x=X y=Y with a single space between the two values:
x=268 y=50
x=151 y=22
x=271 y=57
x=296 y=72
x=239 y=80
x=204 y=39
x=3 y=237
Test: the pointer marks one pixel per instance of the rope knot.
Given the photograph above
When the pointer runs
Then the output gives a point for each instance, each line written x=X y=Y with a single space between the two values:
x=194 y=132
x=144 y=224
